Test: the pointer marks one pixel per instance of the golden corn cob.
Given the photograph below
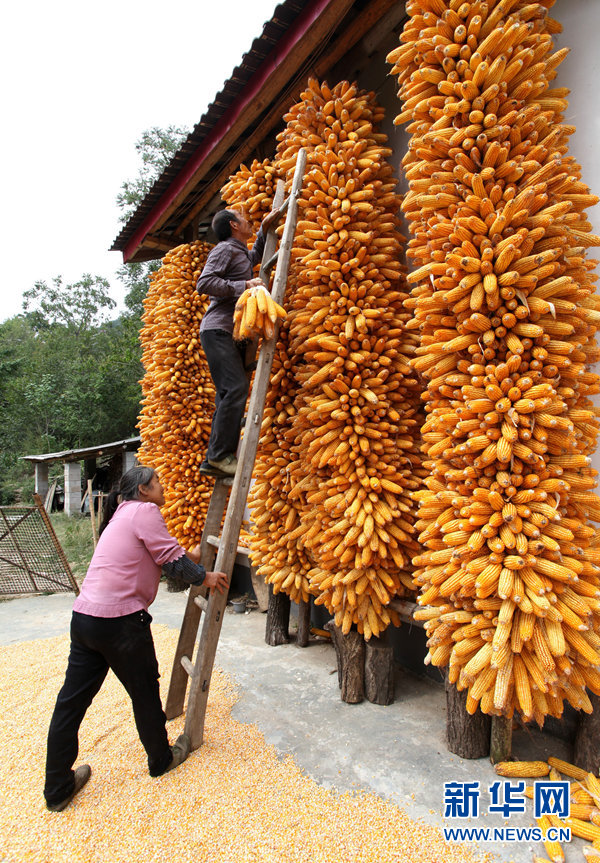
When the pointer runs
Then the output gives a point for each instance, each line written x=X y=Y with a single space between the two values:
x=568 y=769
x=553 y=848
x=522 y=768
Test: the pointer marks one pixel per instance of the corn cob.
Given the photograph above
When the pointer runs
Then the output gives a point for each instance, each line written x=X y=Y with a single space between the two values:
x=568 y=769
x=522 y=769
x=344 y=432
x=177 y=390
x=504 y=305
x=553 y=849
x=583 y=829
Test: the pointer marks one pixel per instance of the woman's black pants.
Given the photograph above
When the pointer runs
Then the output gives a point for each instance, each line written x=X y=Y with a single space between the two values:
x=98 y=643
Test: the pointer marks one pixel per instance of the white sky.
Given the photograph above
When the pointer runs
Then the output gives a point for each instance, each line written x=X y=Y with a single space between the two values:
x=81 y=82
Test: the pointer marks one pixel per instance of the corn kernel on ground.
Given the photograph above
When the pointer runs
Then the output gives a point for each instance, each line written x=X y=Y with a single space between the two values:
x=232 y=801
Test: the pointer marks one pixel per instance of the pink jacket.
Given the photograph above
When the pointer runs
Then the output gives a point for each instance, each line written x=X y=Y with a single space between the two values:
x=125 y=570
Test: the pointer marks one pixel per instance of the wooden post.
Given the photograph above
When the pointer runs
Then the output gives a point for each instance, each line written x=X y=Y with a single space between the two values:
x=303 y=623
x=500 y=739
x=586 y=753
x=278 y=618
x=92 y=512
x=467 y=736
x=261 y=590
x=379 y=670
x=350 y=653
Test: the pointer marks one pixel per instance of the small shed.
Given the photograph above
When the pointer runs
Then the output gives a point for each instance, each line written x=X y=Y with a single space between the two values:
x=120 y=456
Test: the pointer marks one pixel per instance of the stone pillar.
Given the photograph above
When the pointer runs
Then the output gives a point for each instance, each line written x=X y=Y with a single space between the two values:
x=72 y=487
x=41 y=478
x=129 y=460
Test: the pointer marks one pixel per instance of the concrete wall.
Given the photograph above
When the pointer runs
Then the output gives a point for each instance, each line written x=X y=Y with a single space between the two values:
x=72 y=487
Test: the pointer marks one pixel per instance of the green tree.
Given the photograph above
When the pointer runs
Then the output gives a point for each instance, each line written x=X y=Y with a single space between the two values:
x=78 y=306
x=156 y=148
x=136 y=278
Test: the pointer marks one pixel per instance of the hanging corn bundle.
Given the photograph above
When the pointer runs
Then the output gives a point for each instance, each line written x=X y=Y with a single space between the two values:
x=251 y=191
x=345 y=434
x=504 y=304
x=178 y=393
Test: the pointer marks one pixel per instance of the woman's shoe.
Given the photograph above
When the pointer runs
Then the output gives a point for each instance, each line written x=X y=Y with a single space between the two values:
x=81 y=776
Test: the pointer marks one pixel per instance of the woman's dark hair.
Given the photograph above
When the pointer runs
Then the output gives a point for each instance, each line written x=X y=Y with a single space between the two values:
x=128 y=490
x=221 y=224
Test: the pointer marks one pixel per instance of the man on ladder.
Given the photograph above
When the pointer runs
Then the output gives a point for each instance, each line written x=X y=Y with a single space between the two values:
x=212 y=605
x=226 y=275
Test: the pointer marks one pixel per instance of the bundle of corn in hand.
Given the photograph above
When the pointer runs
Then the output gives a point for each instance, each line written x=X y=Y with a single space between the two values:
x=177 y=389
x=505 y=307
x=256 y=314
x=343 y=436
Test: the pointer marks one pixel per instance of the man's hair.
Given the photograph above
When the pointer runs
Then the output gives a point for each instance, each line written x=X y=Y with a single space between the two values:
x=221 y=224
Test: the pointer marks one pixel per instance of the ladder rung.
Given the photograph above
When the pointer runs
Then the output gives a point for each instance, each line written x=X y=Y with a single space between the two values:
x=201 y=602
x=285 y=205
x=188 y=665
x=268 y=264
x=215 y=541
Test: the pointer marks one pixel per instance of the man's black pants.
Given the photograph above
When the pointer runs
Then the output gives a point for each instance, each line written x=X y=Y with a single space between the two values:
x=98 y=643
x=226 y=364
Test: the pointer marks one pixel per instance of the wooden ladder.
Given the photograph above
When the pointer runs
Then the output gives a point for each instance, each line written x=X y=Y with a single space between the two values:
x=200 y=600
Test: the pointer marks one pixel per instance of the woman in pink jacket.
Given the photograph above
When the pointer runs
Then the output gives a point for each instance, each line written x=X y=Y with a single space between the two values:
x=110 y=628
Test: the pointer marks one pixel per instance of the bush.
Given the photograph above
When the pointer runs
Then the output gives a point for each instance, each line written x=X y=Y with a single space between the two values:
x=75 y=536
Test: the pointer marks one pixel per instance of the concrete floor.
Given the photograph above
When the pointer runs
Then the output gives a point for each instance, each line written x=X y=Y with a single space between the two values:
x=291 y=694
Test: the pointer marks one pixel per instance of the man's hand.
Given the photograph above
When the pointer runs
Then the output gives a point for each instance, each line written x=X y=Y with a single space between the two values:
x=194 y=553
x=216 y=579
x=254 y=283
x=270 y=220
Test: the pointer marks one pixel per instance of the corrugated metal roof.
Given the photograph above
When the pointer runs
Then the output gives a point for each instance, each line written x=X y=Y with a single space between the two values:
x=303 y=37
x=129 y=443
x=283 y=16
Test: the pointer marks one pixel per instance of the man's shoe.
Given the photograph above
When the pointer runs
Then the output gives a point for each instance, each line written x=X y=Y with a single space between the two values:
x=180 y=750
x=207 y=469
x=227 y=465
x=81 y=776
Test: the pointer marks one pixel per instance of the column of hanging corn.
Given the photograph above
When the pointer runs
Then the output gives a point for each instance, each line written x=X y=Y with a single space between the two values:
x=504 y=304
x=178 y=393
x=345 y=436
x=251 y=190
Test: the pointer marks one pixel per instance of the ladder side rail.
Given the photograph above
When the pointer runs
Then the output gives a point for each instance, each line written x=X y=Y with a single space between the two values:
x=269 y=253
x=211 y=629
x=191 y=618
x=289 y=231
x=270 y=248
